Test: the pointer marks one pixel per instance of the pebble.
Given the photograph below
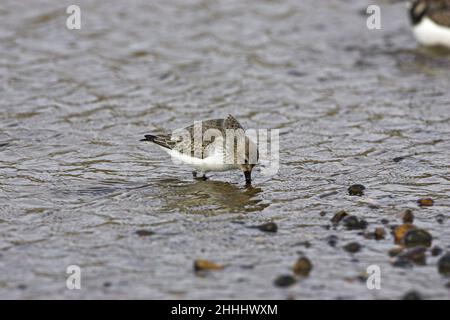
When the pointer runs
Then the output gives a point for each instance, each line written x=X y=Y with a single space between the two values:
x=352 y=247
x=395 y=251
x=296 y=73
x=144 y=233
x=354 y=223
x=268 y=227
x=401 y=231
x=285 y=280
x=332 y=240
x=417 y=237
x=324 y=195
x=305 y=244
x=408 y=216
x=440 y=218
x=436 y=251
x=402 y=263
x=302 y=267
x=415 y=255
x=444 y=265
x=356 y=190
x=425 y=202
x=200 y=265
x=412 y=295
x=363 y=277
x=338 y=217
x=398 y=159
x=377 y=234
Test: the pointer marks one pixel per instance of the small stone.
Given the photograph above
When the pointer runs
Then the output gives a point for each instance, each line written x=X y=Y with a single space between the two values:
x=302 y=267
x=402 y=262
x=440 y=218
x=408 y=216
x=332 y=240
x=268 y=227
x=398 y=159
x=352 y=247
x=363 y=276
x=354 y=223
x=328 y=194
x=296 y=73
x=412 y=295
x=322 y=213
x=338 y=217
x=379 y=233
x=144 y=233
x=417 y=237
x=356 y=190
x=384 y=221
x=436 y=251
x=425 y=202
x=415 y=255
x=395 y=251
x=444 y=265
x=284 y=281
x=401 y=231
x=305 y=244
x=200 y=265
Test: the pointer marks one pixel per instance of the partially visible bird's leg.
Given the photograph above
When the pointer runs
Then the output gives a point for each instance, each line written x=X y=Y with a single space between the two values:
x=201 y=177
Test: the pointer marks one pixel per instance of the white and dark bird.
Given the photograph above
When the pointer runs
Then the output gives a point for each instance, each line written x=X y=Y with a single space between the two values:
x=431 y=21
x=210 y=145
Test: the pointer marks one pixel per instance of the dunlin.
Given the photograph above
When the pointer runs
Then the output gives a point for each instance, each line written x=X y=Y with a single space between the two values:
x=211 y=145
x=431 y=21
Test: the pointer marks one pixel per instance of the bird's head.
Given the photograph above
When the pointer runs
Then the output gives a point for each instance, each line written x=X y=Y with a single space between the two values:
x=251 y=157
x=417 y=10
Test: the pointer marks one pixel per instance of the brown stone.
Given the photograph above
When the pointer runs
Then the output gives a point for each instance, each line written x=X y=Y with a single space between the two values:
x=302 y=267
x=200 y=265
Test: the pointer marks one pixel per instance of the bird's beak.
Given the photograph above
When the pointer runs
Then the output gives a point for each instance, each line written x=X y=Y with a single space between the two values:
x=248 y=177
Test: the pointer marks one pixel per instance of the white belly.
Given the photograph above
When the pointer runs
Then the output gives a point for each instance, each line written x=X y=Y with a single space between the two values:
x=212 y=163
x=429 y=33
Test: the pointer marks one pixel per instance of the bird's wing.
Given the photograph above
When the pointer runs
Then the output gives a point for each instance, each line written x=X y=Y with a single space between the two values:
x=183 y=140
x=231 y=123
x=208 y=146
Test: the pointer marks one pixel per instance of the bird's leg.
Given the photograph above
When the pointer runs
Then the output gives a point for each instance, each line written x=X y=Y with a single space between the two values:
x=248 y=178
x=203 y=177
